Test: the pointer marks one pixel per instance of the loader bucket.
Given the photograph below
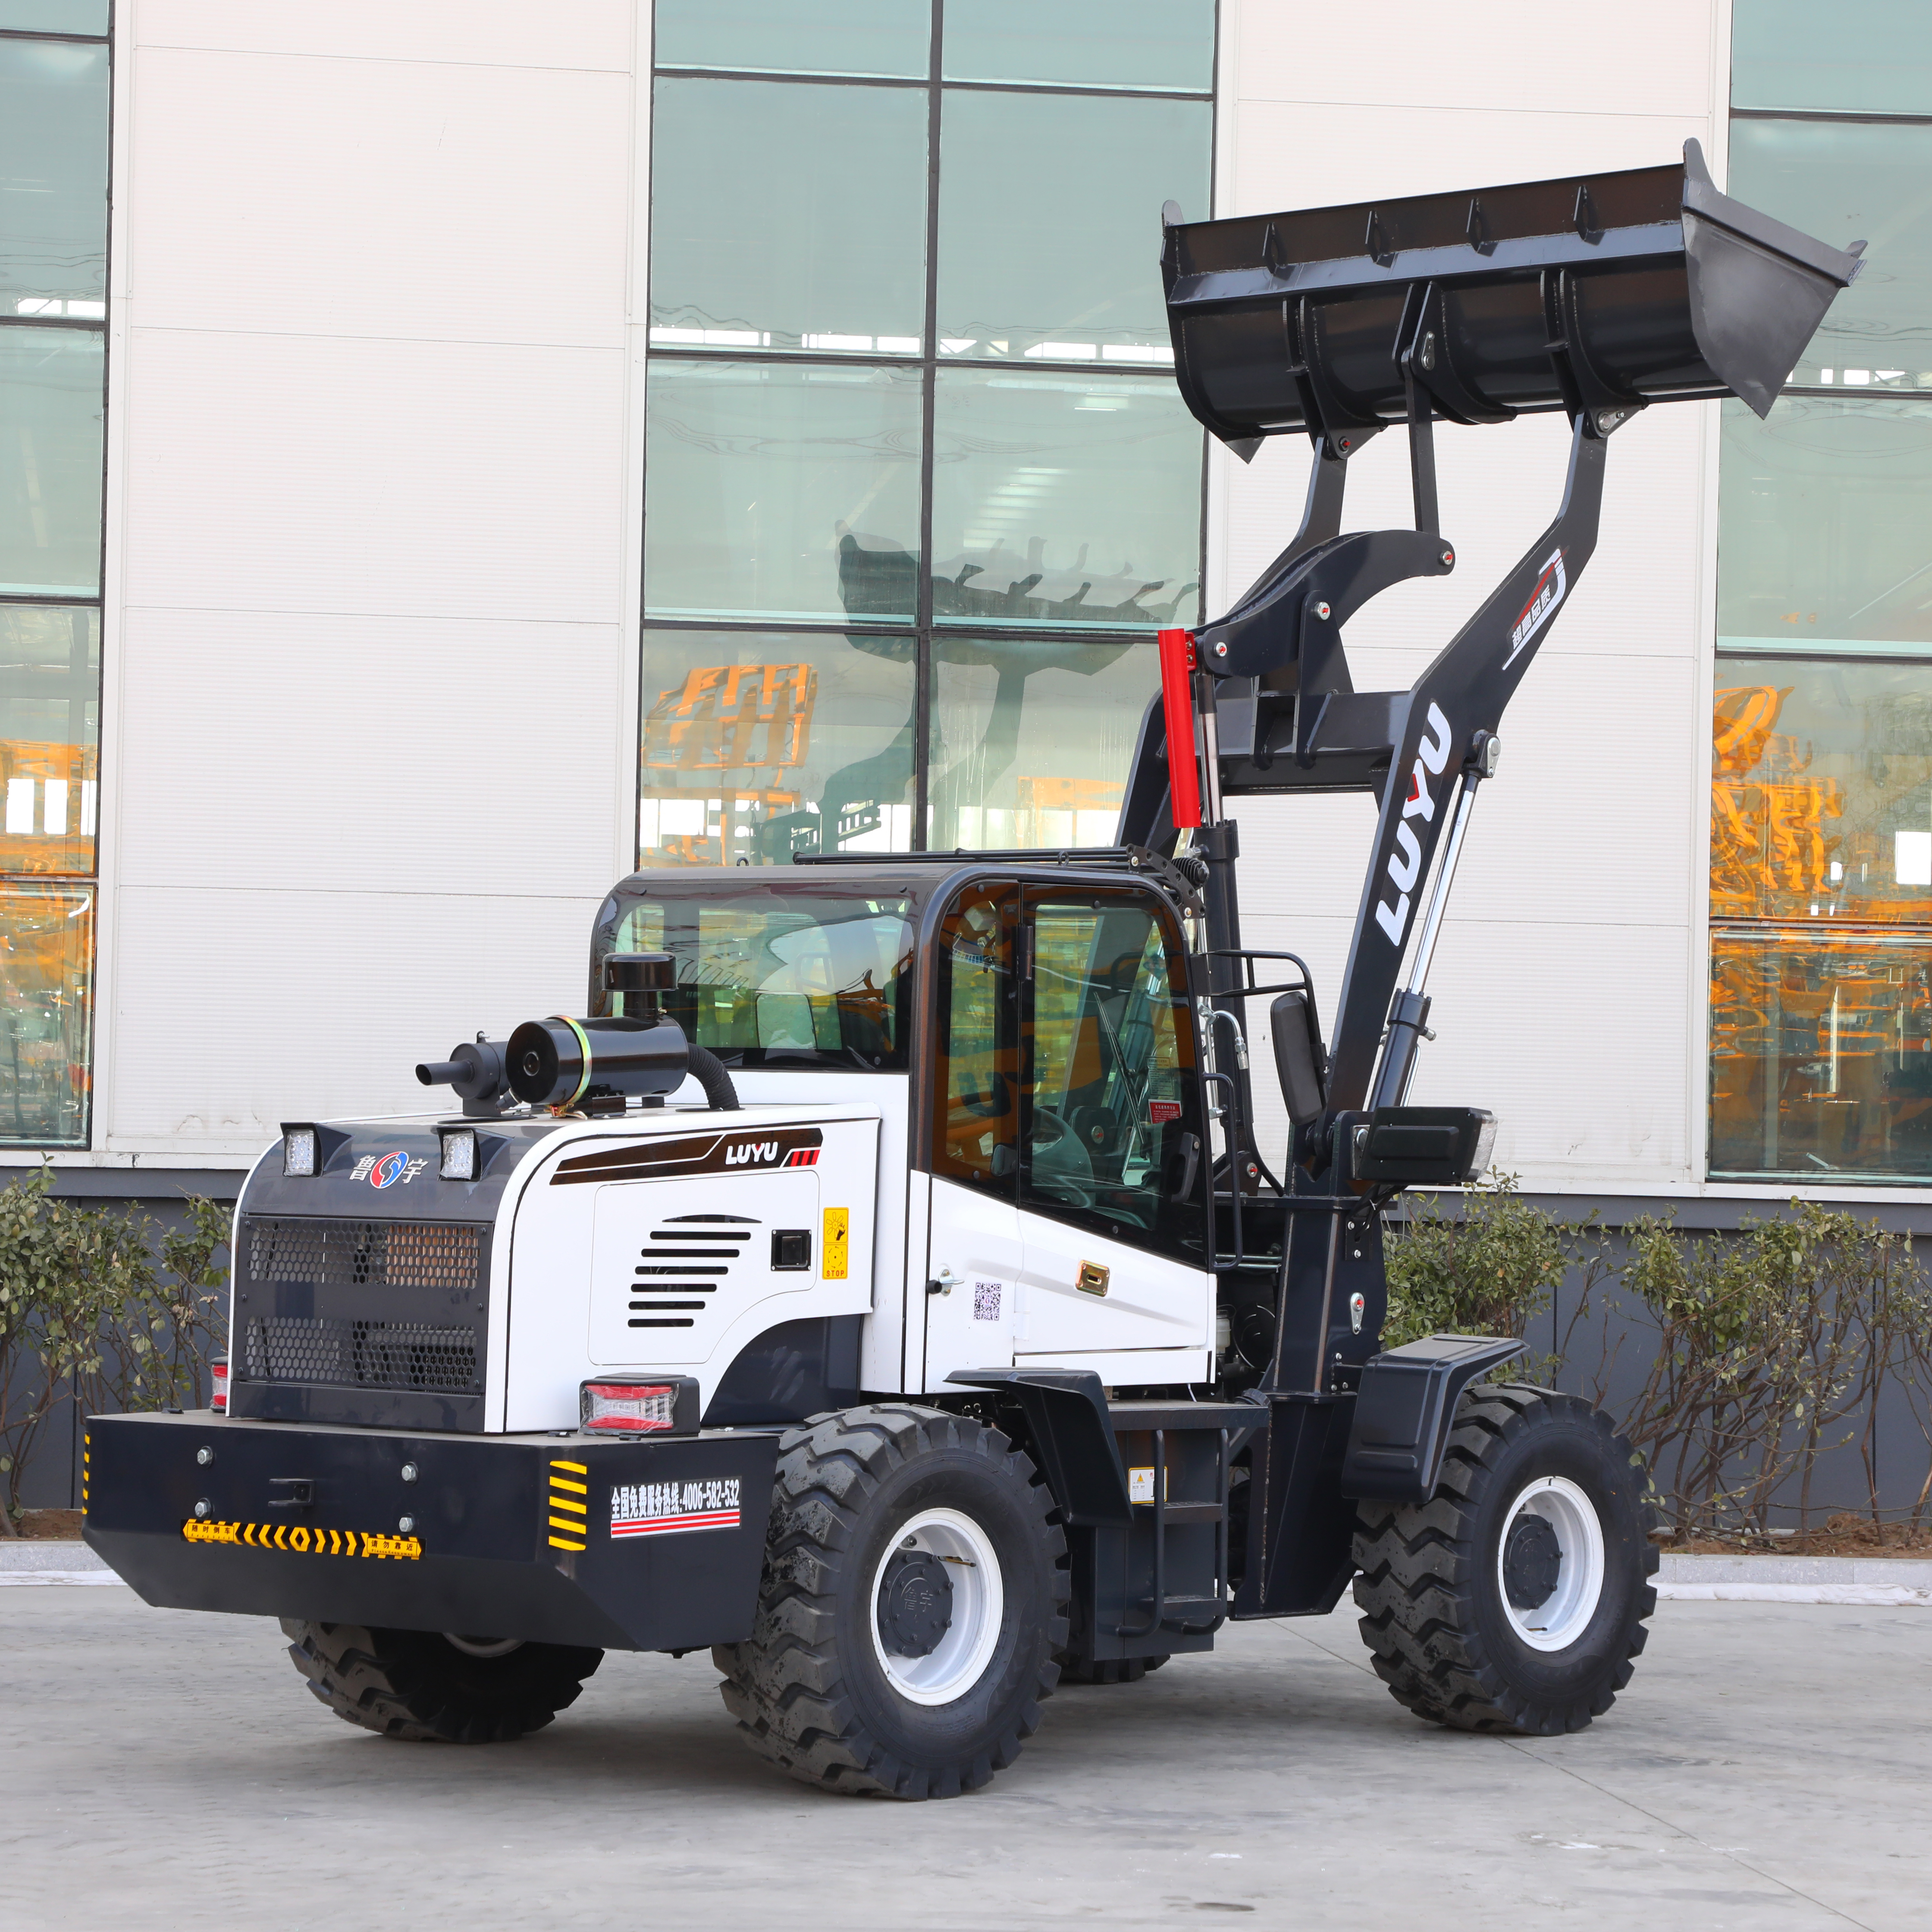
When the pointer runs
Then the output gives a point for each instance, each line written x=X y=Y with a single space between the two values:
x=1599 y=293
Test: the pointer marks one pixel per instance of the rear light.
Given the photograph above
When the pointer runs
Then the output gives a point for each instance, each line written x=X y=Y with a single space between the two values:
x=668 y=1406
x=218 y=1399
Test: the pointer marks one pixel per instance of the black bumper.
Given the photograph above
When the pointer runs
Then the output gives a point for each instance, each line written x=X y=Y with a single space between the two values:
x=622 y=1546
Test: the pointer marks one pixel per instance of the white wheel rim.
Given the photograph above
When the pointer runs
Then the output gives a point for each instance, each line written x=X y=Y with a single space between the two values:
x=1564 y=1615
x=979 y=1597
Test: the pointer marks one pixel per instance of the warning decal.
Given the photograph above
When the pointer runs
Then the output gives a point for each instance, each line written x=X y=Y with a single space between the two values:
x=836 y=1250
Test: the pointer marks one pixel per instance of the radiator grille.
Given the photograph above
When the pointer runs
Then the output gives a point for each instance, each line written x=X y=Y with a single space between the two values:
x=356 y=1254
x=365 y=1354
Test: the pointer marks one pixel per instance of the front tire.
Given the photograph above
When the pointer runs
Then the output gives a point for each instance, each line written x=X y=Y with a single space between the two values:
x=914 y=1593
x=1512 y=1601
x=423 y=1686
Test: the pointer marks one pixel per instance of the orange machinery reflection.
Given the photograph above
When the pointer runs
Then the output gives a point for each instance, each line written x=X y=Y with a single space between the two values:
x=44 y=786
x=1821 y=1035
x=46 y=946
x=724 y=717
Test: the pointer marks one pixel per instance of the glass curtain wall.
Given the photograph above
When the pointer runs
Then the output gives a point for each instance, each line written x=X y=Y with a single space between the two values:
x=53 y=307
x=1821 y=827
x=919 y=485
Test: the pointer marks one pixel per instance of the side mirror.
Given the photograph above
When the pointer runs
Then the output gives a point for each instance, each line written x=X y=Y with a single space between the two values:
x=1296 y=1056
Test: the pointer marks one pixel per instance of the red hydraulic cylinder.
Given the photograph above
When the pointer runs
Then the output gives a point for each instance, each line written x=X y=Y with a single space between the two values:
x=1177 y=692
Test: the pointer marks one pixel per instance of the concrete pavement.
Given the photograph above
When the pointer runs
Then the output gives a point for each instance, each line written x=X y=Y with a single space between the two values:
x=1769 y=1767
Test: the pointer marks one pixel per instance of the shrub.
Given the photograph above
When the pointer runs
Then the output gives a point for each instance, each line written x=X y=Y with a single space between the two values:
x=88 y=1313
x=1492 y=1270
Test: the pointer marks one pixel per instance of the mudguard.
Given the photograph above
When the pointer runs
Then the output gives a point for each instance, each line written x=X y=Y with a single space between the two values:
x=1405 y=1410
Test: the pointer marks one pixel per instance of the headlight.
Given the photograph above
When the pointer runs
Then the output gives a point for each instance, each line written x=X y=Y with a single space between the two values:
x=459 y=1153
x=299 y=1150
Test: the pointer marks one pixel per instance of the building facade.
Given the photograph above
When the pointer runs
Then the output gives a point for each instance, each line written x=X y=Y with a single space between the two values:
x=449 y=455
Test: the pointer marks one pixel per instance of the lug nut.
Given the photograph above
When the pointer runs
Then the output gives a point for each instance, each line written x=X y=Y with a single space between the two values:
x=1448 y=557
x=409 y=1472
x=204 y=1455
x=1220 y=650
x=405 y=1524
x=201 y=1509
x=1321 y=611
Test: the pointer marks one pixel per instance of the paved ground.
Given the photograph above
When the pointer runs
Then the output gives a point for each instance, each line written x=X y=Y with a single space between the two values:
x=1769 y=1767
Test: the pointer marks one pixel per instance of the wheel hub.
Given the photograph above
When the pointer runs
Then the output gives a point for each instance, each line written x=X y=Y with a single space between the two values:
x=1532 y=1562
x=915 y=1603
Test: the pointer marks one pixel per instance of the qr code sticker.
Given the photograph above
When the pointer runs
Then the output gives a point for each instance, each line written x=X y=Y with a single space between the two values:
x=986 y=1301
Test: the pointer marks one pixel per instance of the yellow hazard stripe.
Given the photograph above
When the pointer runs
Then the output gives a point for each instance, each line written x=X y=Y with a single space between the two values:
x=565 y=1483
x=575 y=1469
x=565 y=1503
x=558 y=1543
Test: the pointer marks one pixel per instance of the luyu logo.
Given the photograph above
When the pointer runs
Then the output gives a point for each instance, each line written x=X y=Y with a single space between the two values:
x=748 y=1152
x=1405 y=862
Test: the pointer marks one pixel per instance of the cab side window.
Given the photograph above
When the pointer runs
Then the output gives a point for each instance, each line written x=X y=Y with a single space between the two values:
x=975 y=1084
x=1110 y=1129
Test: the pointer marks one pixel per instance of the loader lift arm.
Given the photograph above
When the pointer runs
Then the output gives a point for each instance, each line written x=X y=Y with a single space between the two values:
x=1597 y=297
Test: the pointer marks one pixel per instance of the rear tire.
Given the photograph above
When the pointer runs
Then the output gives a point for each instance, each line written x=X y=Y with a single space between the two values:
x=914 y=1593
x=419 y=1685
x=1514 y=1600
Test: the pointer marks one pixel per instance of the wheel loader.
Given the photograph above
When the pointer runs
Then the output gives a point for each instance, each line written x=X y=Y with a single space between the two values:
x=882 y=1285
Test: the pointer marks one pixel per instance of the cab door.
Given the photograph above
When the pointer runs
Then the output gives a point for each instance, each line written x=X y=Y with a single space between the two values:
x=973 y=1096
x=1112 y=1147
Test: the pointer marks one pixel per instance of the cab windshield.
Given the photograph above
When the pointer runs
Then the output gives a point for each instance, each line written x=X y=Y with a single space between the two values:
x=774 y=978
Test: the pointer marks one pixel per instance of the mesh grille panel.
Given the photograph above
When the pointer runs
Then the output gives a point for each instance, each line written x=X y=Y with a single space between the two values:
x=342 y=1254
x=367 y=1355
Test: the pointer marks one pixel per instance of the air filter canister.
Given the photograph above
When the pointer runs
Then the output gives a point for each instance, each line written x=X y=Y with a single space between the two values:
x=557 y=1062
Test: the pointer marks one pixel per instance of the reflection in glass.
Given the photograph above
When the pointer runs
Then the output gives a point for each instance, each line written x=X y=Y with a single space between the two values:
x=1867 y=56
x=758 y=744
x=1821 y=1054
x=1825 y=524
x=1821 y=791
x=869 y=37
x=787 y=217
x=49 y=737
x=1031 y=738
x=50 y=405
x=54 y=16
x=53 y=179
x=1846 y=181
x=779 y=491
x=46 y=947
x=1064 y=499
x=1164 y=44
x=1049 y=223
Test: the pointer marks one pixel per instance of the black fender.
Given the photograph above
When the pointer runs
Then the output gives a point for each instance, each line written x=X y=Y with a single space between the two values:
x=1072 y=1433
x=1405 y=1410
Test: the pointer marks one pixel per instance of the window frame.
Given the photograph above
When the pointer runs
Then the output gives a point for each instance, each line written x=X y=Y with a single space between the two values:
x=87 y=882
x=919 y=630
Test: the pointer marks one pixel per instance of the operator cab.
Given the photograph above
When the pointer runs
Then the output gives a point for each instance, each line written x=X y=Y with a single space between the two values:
x=1054 y=1107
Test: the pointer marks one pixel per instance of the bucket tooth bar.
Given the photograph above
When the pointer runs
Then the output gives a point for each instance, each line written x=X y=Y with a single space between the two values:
x=1598 y=296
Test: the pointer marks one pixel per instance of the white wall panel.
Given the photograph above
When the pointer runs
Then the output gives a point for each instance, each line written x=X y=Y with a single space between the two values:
x=369 y=754
x=1517 y=56
x=505 y=33
x=379 y=477
x=237 y=1010
x=380 y=198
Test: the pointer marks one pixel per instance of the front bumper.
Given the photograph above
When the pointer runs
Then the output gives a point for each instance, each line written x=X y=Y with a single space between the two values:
x=622 y=1546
